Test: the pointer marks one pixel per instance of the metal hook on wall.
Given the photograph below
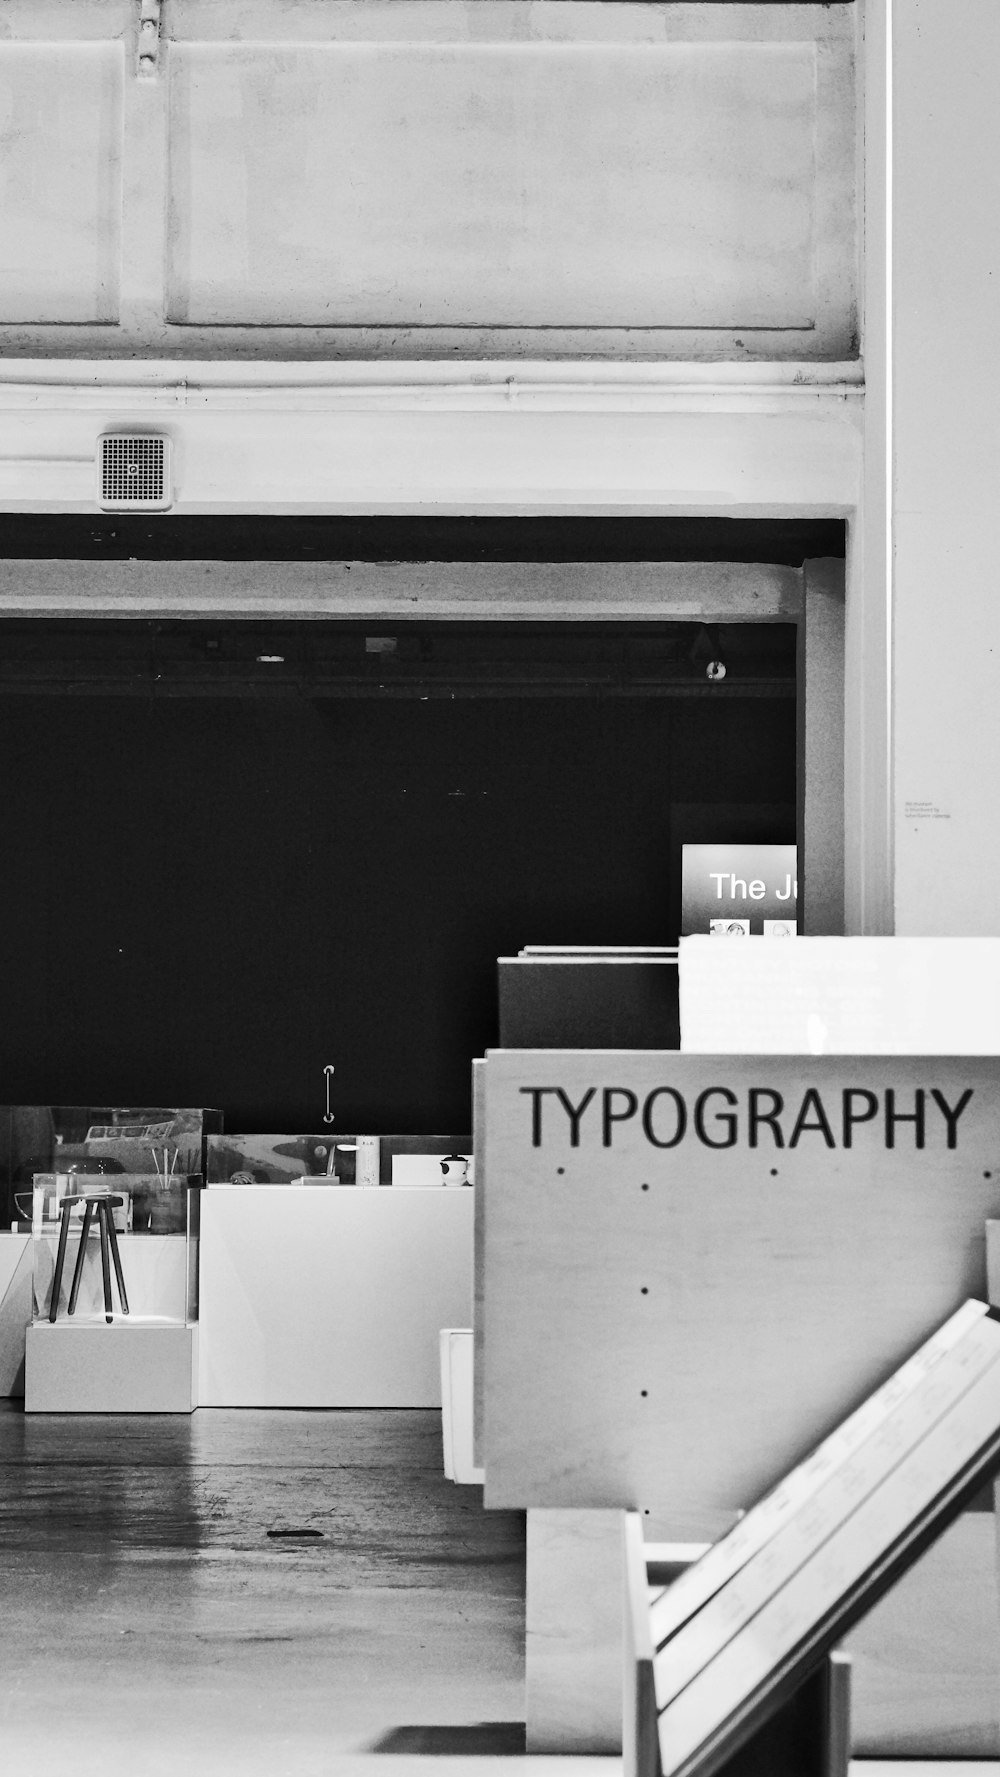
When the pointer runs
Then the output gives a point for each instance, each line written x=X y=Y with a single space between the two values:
x=148 y=55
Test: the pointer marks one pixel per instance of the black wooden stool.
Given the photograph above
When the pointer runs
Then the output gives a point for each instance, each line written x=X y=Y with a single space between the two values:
x=104 y=1207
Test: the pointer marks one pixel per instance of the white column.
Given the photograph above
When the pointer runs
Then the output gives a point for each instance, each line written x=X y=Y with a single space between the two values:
x=946 y=464
x=868 y=827
x=821 y=750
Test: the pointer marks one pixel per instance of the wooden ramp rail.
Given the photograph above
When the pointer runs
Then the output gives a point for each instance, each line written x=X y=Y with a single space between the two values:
x=807 y=1736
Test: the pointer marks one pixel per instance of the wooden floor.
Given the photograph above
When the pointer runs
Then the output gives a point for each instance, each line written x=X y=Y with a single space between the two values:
x=162 y=1612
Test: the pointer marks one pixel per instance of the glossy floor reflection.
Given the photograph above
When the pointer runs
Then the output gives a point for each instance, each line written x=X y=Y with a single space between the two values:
x=247 y=1591
x=243 y=1592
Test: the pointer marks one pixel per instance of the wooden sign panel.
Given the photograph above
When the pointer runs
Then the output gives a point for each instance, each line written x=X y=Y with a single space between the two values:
x=695 y=1266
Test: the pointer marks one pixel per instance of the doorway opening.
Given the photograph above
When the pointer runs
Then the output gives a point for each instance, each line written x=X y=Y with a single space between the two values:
x=245 y=849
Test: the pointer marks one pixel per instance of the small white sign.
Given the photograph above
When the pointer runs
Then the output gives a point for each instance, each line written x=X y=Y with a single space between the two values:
x=724 y=886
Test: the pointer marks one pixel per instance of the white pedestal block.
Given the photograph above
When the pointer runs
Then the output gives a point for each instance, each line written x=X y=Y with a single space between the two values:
x=78 y=1366
x=313 y=1296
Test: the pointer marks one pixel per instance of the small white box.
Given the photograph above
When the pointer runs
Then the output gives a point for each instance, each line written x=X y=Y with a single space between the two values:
x=417 y=1171
x=366 y=1161
x=457 y=1406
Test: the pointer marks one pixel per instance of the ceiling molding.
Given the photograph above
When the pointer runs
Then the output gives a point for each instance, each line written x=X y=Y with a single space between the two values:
x=469 y=386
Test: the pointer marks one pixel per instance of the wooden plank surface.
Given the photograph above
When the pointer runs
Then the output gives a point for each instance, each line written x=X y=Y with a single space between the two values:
x=926 y=1660
x=575 y=1621
x=640 y=1749
x=672 y=1328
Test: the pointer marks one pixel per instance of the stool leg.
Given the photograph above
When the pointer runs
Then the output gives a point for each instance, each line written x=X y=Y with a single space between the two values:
x=102 y=1226
x=57 y=1275
x=116 y=1258
x=78 y=1272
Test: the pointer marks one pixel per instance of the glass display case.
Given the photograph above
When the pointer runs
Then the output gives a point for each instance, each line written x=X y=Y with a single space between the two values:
x=96 y=1141
x=106 y=1248
x=339 y=1159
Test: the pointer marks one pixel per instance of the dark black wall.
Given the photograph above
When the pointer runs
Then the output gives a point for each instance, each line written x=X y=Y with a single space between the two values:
x=205 y=902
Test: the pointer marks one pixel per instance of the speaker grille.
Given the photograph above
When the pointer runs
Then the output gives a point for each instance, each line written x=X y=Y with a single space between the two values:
x=134 y=471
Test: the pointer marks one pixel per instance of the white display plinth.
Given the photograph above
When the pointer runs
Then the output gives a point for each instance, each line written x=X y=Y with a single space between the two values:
x=324 y=1296
x=15 y=1309
x=131 y=1366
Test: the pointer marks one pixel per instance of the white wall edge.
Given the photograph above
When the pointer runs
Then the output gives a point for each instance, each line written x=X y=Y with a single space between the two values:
x=868 y=802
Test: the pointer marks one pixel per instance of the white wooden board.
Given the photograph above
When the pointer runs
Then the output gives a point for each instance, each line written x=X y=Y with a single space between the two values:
x=671 y=1327
x=573 y=1632
x=926 y=1659
x=840 y=996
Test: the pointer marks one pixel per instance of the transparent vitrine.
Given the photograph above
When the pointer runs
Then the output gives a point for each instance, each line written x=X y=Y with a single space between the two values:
x=107 y=1247
x=96 y=1141
x=339 y=1159
x=276 y=1159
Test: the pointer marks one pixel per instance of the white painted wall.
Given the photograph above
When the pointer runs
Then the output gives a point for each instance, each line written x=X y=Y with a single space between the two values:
x=507 y=176
x=946 y=463
x=511 y=437
x=60 y=188
x=688 y=168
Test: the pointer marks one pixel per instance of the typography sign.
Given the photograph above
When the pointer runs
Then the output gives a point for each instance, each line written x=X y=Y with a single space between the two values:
x=739 y=890
x=696 y=1265
x=718 y=1117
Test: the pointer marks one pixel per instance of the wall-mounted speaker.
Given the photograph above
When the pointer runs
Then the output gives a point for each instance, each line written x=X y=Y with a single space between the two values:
x=134 y=472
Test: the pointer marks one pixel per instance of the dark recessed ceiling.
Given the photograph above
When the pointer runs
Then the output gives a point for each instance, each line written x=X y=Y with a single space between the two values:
x=258 y=537
x=319 y=660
